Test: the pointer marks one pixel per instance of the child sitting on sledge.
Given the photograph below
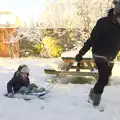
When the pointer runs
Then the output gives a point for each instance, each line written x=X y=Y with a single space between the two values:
x=20 y=83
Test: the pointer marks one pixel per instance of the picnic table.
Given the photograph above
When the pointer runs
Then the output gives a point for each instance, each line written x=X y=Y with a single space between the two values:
x=85 y=67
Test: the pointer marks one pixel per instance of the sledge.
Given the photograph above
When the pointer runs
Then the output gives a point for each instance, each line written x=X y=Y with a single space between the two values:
x=29 y=96
x=86 y=67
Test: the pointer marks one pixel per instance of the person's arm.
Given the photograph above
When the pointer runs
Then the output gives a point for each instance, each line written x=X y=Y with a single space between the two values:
x=10 y=85
x=95 y=34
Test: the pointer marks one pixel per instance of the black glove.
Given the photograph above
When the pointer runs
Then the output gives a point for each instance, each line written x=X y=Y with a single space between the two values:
x=78 y=58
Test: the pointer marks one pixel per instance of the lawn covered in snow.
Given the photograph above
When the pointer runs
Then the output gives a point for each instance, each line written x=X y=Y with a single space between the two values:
x=65 y=102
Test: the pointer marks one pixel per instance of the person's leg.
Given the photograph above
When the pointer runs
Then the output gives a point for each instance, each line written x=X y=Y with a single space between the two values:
x=102 y=81
x=32 y=88
x=96 y=92
x=111 y=65
x=23 y=90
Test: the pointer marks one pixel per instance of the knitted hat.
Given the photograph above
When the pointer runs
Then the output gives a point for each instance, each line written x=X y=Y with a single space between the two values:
x=23 y=69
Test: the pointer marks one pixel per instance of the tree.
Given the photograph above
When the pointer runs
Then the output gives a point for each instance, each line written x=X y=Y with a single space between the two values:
x=28 y=33
x=59 y=14
x=88 y=12
x=78 y=14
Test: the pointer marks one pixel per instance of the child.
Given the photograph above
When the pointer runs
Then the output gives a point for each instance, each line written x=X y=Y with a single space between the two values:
x=19 y=81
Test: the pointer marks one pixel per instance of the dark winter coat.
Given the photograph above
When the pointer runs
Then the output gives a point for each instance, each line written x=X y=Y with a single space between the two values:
x=105 y=37
x=16 y=83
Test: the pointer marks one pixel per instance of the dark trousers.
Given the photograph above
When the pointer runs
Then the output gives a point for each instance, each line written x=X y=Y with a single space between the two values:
x=104 y=70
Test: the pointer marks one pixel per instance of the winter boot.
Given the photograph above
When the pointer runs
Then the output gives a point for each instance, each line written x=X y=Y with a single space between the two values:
x=91 y=93
x=94 y=97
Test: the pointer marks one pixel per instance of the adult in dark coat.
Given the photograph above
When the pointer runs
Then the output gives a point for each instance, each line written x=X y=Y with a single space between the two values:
x=105 y=44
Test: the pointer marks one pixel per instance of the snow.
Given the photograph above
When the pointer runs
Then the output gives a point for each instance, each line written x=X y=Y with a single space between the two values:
x=65 y=102
x=73 y=53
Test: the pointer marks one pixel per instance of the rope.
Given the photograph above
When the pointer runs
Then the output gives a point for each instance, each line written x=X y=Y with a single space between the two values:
x=51 y=85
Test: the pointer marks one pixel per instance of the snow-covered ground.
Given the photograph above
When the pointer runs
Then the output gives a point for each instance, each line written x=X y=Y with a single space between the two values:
x=65 y=102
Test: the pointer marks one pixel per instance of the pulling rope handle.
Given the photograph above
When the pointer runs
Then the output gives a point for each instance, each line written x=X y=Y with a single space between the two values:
x=58 y=75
